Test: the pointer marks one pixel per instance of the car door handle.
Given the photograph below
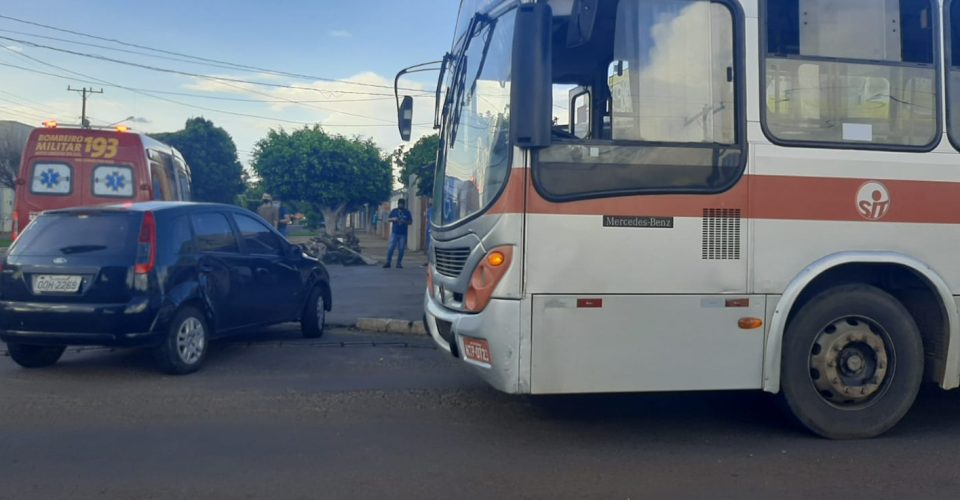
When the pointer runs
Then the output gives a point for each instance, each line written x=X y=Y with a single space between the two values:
x=204 y=268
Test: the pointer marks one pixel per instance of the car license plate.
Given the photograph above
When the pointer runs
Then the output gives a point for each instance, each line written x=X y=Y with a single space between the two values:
x=52 y=283
x=477 y=350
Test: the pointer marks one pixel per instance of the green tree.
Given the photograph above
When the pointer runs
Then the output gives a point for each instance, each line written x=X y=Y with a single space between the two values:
x=326 y=172
x=217 y=175
x=420 y=159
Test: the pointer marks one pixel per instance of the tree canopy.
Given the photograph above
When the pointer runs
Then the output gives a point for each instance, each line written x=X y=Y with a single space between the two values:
x=217 y=175
x=420 y=159
x=328 y=172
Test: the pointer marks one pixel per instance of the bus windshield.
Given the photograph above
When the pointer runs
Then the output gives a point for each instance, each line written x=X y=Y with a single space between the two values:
x=475 y=162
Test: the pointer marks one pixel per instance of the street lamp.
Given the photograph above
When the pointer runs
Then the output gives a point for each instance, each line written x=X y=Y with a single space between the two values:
x=131 y=117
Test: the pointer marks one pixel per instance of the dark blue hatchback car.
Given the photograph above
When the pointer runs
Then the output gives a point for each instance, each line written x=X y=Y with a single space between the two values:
x=165 y=275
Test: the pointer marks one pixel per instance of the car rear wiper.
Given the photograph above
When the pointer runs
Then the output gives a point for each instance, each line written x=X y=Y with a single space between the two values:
x=81 y=248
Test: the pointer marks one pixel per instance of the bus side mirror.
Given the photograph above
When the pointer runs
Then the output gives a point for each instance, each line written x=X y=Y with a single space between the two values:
x=405 y=117
x=531 y=99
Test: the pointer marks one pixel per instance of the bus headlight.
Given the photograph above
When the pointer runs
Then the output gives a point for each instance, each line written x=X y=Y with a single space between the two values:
x=486 y=277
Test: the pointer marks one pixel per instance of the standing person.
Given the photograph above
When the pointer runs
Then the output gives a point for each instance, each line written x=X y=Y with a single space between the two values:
x=401 y=219
x=283 y=217
x=268 y=211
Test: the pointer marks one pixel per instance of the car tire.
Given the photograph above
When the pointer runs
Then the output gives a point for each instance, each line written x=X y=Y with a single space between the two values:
x=185 y=346
x=35 y=356
x=852 y=362
x=314 y=314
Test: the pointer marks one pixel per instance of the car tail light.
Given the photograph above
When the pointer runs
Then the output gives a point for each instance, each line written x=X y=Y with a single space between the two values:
x=146 y=245
x=485 y=278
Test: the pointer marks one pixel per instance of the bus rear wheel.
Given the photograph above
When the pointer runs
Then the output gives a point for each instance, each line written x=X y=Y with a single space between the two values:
x=852 y=362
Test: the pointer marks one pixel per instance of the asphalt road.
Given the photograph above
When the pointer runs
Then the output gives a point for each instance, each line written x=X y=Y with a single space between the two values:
x=354 y=416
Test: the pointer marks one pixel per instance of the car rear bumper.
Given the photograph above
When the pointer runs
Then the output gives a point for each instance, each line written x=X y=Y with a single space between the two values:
x=145 y=339
x=128 y=324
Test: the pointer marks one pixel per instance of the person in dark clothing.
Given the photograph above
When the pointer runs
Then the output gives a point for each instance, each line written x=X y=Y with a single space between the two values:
x=401 y=219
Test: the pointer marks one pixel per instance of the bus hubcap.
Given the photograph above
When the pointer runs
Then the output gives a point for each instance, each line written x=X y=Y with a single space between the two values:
x=849 y=361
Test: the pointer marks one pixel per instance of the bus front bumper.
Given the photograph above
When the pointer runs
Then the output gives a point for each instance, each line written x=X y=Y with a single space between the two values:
x=488 y=341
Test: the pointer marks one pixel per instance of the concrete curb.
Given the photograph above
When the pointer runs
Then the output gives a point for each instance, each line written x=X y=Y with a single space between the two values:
x=385 y=325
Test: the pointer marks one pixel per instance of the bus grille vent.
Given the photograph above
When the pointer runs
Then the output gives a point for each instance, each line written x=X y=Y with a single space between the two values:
x=721 y=234
x=450 y=261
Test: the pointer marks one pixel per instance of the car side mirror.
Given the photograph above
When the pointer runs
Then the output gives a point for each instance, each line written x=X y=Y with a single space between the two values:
x=294 y=252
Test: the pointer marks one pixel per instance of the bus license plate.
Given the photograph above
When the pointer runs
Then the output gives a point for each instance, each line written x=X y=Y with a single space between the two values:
x=476 y=350
x=51 y=283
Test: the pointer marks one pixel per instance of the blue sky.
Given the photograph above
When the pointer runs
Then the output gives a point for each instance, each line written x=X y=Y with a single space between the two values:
x=363 y=41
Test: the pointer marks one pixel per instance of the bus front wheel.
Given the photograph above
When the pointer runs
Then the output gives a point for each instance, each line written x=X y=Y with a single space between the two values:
x=852 y=362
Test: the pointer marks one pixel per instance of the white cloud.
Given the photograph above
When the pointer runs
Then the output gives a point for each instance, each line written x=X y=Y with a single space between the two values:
x=340 y=33
x=362 y=104
x=14 y=48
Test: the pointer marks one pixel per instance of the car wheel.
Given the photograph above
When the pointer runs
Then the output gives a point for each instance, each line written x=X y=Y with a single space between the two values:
x=35 y=356
x=852 y=362
x=314 y=315
x=185 y=346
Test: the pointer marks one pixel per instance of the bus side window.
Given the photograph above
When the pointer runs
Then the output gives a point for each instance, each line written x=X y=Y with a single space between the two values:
x=836 y=74
x=952 y=24
x=659 y=108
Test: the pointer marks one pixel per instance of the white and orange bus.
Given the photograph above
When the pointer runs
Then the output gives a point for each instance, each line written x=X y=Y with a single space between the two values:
x=68 y=167
x=675 y=195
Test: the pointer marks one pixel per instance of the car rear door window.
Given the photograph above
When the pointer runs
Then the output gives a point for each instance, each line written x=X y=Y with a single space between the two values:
x=257 y=237
x=60 y=234
x=181 y=237
x=213 y=233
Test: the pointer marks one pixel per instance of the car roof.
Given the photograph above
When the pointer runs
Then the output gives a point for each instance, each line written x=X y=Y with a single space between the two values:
x=146 y=206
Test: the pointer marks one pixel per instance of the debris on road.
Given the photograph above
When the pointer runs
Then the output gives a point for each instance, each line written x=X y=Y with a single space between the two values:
x=337 y=250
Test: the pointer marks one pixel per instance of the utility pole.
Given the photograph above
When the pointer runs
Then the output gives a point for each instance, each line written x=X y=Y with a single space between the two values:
x=84 y=91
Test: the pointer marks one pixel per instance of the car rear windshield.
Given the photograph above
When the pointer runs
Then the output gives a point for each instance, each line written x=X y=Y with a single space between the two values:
x=88 y=233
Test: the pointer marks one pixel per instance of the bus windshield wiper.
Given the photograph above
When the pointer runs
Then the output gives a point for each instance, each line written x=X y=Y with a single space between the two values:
x=81 y=248
x=459 y=76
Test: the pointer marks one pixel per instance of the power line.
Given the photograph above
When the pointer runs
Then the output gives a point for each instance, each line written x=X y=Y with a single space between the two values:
x=11 y=101
x=220 y=79
x=203 y=108
x=220 y=63
x=24 y=115
x=210 y=97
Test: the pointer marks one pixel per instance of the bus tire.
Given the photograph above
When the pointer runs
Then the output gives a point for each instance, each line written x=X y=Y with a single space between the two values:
x=852 y=362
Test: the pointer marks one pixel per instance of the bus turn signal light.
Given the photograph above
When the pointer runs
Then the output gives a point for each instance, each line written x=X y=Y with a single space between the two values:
x=486 y=277
x=122 y=128
x=496 y=258
x=750 y=323
x=50 y=124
